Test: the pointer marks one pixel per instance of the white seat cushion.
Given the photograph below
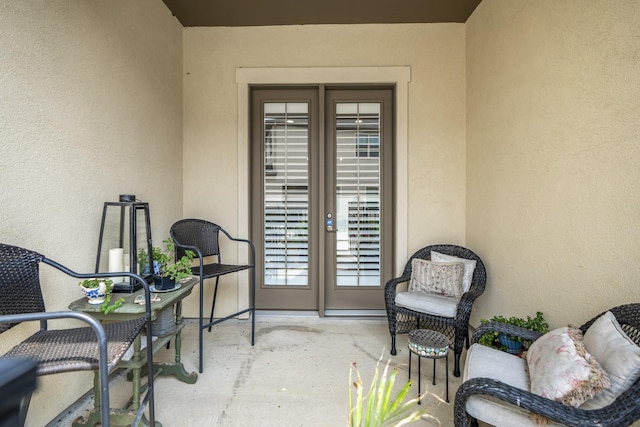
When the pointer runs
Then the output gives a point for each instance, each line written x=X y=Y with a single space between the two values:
x=486 y=362
x=424 y=302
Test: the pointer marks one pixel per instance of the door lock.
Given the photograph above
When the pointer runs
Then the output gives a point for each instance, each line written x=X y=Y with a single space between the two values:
x=328 y=223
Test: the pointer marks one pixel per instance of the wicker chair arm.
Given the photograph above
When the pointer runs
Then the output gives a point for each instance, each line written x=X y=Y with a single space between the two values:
x=525 y=334
x=474 y=292
x=76 y=275
x=466 y=305
x=133 y=276
x=556 y=411
x=469 y=297
x=54 y=315
x=252 y=249
x=391 y=285
x=237 y=239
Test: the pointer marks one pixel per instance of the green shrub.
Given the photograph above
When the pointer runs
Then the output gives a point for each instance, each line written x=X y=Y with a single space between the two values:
x=538 y=324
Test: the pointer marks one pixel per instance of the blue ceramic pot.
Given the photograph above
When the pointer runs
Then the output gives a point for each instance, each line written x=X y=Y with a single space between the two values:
x=513 y=346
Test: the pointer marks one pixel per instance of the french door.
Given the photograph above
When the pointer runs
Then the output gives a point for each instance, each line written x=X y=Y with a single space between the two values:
x=322 y=200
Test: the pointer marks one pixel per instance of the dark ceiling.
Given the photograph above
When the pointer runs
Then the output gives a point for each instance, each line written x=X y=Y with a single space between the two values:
x=236 y=13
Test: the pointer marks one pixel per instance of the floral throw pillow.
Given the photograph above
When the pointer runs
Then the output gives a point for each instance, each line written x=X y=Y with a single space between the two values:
x=469 y=266
x=561 y=369
x=439 y=278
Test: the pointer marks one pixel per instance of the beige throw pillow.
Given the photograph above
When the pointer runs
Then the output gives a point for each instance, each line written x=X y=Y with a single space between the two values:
x=469 y=266
x=439 y=278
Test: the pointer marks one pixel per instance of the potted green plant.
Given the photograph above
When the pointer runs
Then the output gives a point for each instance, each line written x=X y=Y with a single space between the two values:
x=98 y=291
x=171 y=269
x=512 y=344
x=143 y=260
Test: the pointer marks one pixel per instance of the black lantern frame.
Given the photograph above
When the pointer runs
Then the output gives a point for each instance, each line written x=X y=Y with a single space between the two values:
x=130 y=210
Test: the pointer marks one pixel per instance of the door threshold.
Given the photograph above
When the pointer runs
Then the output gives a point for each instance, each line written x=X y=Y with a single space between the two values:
x=286 y=313
x=327 y=313
x=355 y=313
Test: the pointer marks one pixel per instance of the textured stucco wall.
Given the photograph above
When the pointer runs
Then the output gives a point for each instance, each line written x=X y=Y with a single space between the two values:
x=553 y=170
x=90 y=108
x=436 y=113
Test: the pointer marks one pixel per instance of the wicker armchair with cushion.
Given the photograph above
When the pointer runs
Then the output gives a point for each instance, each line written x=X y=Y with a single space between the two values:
x=587 y=376
x=439 y=296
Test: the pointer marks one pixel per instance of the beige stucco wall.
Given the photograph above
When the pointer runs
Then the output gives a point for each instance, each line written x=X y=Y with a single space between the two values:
x=521 y=144
x=436 y=115
x=553 y=155
x=90 y=108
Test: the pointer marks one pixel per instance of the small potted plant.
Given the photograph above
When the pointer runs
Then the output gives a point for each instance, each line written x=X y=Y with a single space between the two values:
x=171 y=269
x=509 y=343
x=143 y=260
x=98 y=291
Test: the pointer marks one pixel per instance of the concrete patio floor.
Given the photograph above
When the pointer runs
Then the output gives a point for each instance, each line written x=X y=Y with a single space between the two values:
x=297 y=374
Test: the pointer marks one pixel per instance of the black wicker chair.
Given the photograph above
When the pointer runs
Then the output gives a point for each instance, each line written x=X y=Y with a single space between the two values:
x=202 y=237
x=403 y=320
x=624 y=411
x=96 y=347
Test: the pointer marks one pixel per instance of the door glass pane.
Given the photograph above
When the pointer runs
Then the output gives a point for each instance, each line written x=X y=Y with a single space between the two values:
x=286 y=195
x=358 y=194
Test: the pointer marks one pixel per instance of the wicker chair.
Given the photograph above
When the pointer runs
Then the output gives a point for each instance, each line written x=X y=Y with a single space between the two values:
x=403 y=320
x=95 y=347
x=622 y=412
x=202 y=237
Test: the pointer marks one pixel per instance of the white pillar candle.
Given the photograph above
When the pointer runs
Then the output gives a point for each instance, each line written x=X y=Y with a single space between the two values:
x=116 y=263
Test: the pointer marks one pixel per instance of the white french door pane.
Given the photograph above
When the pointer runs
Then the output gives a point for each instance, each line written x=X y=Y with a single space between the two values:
x=286 y=193
x=358 y=194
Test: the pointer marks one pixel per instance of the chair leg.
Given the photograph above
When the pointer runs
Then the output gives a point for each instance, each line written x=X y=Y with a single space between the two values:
x=200 y=323
x=456 y=365
x=253 y=305
x=200 y=363
x=253 y=326
x=213 y=304
x=24 y=408
x=391 y=319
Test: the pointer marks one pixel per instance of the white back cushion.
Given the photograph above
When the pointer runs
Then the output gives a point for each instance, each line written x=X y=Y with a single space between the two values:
x=618 y=356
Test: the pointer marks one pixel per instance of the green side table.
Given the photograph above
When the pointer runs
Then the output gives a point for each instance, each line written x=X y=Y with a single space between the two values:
x=163 y=301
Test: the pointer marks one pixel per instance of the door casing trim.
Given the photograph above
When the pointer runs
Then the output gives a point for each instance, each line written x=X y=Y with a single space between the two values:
x=399 y=76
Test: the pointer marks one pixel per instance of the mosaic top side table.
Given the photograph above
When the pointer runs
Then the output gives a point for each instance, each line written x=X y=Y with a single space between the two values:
x=431 y=345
